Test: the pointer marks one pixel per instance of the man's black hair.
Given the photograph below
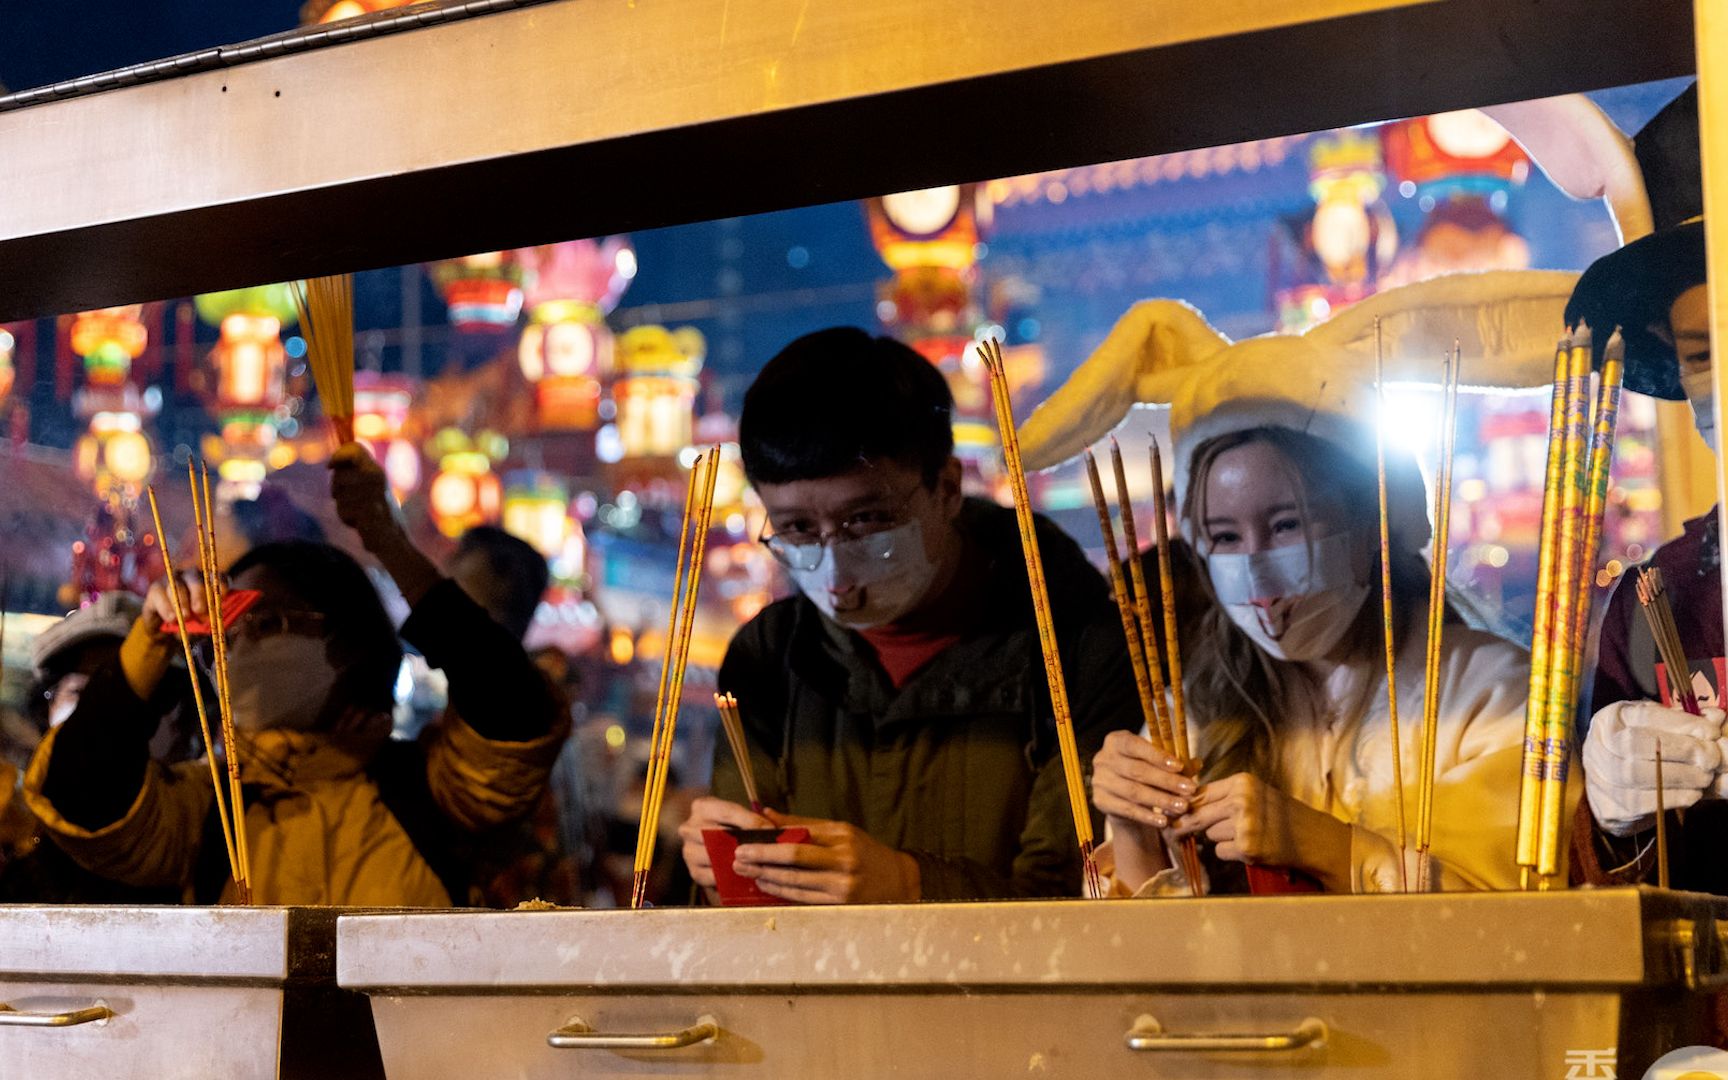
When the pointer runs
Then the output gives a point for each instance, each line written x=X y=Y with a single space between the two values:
x=515 y=563
x=273 y=516
x=839 y=399
x=363 y=643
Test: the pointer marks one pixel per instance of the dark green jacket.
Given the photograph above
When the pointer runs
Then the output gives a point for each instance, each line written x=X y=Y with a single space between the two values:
x=960 y=767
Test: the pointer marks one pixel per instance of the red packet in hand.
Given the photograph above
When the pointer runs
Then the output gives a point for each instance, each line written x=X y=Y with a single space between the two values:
x=722 y=845
x=1279 y=881
x=235 y=603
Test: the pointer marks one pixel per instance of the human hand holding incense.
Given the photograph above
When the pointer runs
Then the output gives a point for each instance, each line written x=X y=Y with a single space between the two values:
x=361 y=491
x=1620 y=762
x=1253 y=822
x=841 y=864
x=1141 y=790
x=708 y=812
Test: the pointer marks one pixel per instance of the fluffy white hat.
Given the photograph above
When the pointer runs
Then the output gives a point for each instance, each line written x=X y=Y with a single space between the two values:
x=1163 y=352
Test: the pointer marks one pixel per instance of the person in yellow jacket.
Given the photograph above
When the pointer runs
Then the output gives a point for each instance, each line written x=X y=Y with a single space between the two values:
x=334 y=811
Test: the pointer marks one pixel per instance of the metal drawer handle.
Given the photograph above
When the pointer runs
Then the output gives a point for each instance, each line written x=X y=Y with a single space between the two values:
x=579 y=1035
x=1148 y=1034
x=94 y=1014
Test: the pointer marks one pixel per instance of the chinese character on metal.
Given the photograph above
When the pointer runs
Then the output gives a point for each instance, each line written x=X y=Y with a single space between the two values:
x=1590 y=1064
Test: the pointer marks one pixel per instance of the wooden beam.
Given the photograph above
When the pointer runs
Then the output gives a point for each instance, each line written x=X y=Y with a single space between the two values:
x=583 y=117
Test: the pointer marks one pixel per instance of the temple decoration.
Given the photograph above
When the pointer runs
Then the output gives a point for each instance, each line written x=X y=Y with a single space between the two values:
x=567 y=349
x=381 y=410
x=248 y=388
x=656 y=389
x=1460 y=167
x=483 y=292
x=1335 y=255
x=465 y=492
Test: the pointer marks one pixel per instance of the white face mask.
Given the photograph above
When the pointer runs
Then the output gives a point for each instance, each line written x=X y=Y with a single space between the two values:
x=65 y=701
x=1700 y=387
x=282 y=681
x=1295 y=602
x=889 y=568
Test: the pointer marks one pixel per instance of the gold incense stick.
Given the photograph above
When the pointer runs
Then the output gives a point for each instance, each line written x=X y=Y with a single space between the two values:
x=732 y=721
x=326 y=310
x=180 y=615
x=1167 y=589
x=1547 y=571
x=1142 y=599
x=1386 y=612
x=1436 y=617
x=204 y=517
x=1661 y=825
x=991 y=353
x=1157 y=727
x=1563 y=664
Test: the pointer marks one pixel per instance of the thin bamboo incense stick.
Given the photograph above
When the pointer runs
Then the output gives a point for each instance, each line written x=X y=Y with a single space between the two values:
x=991 y=353
x=326 y=309
x=1386 y=613
x=1436 y=618
x=643 y=826
x=1142 y=604
x=1563 y=665
x=1167 y=589
x=733 y=724
x=1157 y=727
x=1661 y=826
x=1547 y=571
x=180 y=614
x=214 y=592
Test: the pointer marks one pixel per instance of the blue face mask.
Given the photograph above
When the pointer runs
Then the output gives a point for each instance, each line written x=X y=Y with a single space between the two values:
x=1700 y=387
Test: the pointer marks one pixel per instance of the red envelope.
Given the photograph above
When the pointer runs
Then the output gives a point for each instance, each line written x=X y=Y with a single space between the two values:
x=722 y=845
x=235 y=603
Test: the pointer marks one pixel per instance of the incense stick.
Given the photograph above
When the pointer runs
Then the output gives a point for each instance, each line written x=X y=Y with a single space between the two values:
x=1436 y=617
x=1677 y=670
x=991 y=353
x=1661 y=825
x=1547 y=570
x=1142 y=601
x=1167 y=591
x=692 y=541
x=326 y=310
x=1387 y=620
x=732 y=722
x=1157 y=726
x=215 y=591
x=180 y=613
x=1563 y=663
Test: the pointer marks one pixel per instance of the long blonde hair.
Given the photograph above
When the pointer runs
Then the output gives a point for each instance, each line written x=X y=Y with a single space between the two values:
x=1233 y=688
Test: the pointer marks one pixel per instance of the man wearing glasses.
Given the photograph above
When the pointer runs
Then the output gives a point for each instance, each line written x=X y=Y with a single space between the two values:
x=895 y=706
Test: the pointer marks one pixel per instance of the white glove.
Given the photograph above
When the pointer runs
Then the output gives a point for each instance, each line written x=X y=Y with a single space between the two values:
x=1620 y=761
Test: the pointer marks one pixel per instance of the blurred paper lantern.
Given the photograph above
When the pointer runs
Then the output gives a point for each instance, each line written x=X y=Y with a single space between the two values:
x=1447 y=153
x=656 y=391
x=381 y=406
x=481 y=291
x=537 y=509
x=109 y=339
x=114 y=455
x=929 y=238
x=250 y=381
x=329 y=11
x=466 y=491
x=567 y=347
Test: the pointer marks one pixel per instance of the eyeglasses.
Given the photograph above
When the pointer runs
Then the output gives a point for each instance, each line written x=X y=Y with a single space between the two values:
x=257 y=625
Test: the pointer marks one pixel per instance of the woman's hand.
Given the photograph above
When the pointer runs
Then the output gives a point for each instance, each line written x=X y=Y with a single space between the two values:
x=1141 y=790
x=1253 y=822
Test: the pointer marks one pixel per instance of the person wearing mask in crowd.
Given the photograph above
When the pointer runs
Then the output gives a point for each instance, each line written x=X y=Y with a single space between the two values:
x=334 y=812
x=63 y=657
x=1284 y=669
x=896 y=705
x=1653 y=290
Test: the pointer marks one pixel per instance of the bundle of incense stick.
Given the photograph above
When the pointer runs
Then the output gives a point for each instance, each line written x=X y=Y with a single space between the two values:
x=733 y=722
x=991 y=353
x=692 y=544
x=1653 y=601
x=326 y=309
x=1387 y=620
x=230 y=810
x=1436 y=615
x=1580 y=452
x=1136 y=614
x=1172 y=649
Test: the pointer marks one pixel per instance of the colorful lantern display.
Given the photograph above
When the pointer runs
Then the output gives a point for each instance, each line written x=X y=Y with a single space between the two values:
x=483 y=292
x=381 y=408
x=1461 y=168
x=465 y=492
x=537 y=509
x=248 y=387
x=656 y=389
x=114 y=456
x=567 y=348
x=1340 y=249
x=8 y=373
x=109 y=339
x=329 y=11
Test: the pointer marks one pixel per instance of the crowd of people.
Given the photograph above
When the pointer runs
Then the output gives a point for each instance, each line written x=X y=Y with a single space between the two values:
x=894 y=703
